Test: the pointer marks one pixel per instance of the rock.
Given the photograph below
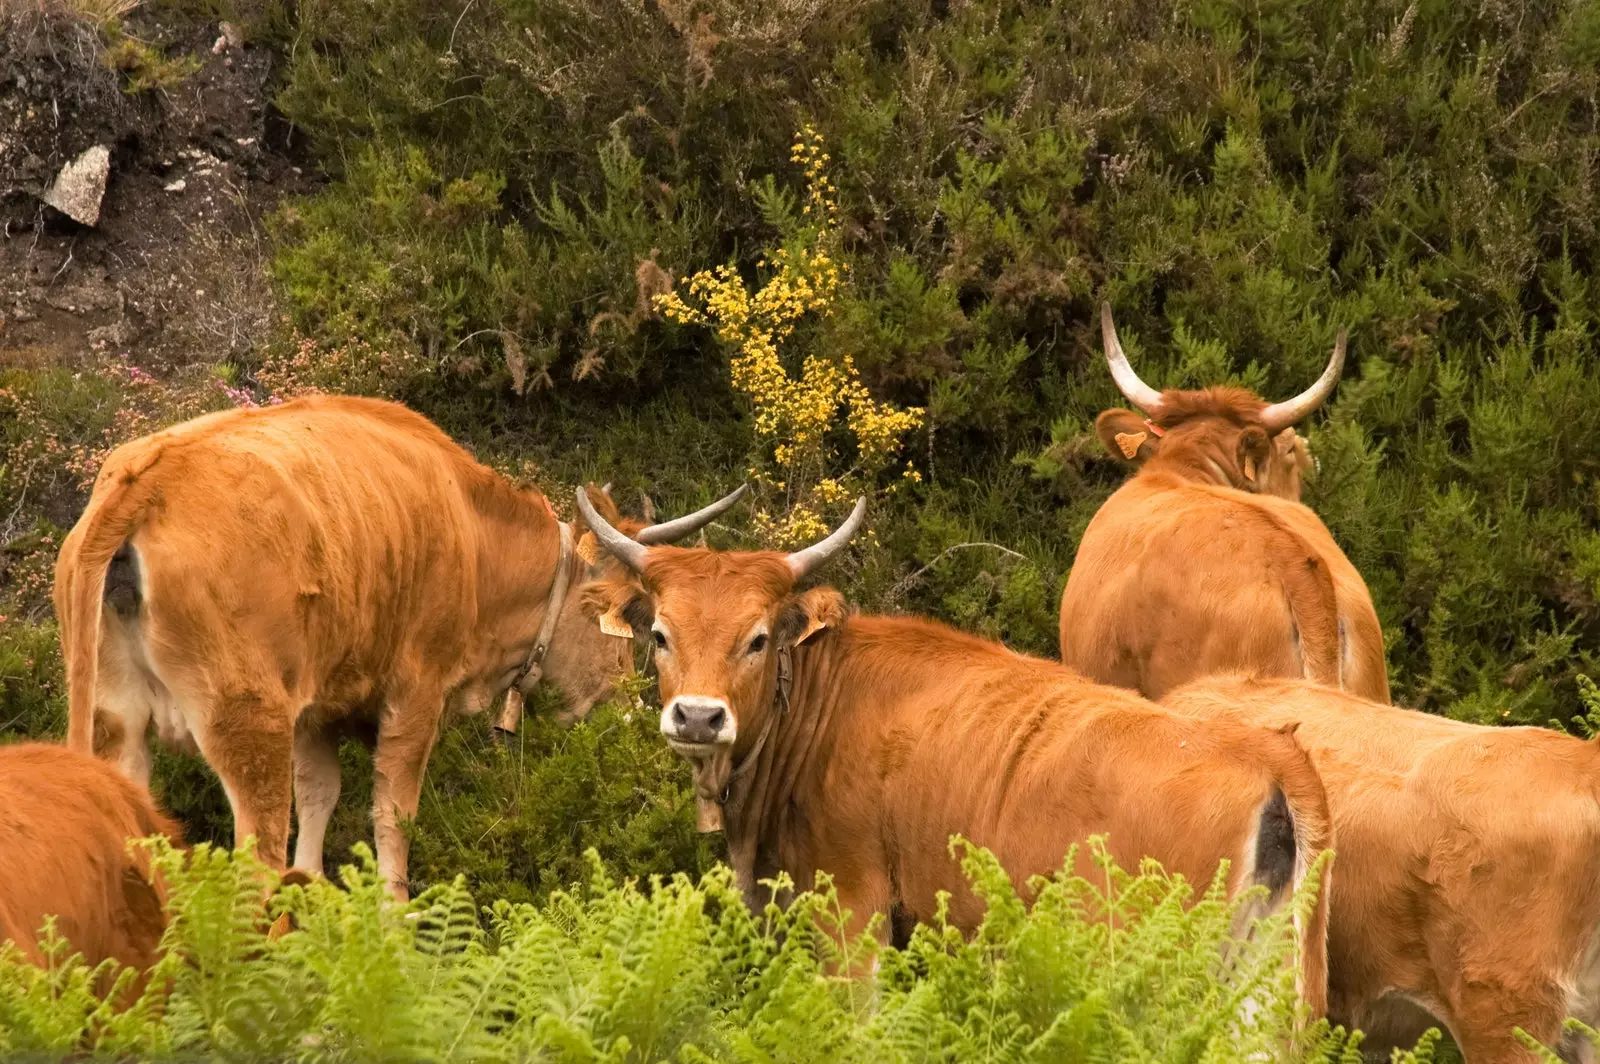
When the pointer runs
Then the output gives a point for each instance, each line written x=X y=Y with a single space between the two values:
x=176 y=186
x=117 y=334
x=81 y=185
x=231 y=34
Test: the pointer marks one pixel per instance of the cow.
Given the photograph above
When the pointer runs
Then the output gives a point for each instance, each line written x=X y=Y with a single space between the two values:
x=1205 y=561
x=1469 y=866
x=255 y=581
x=66 y=820
x=859 y=745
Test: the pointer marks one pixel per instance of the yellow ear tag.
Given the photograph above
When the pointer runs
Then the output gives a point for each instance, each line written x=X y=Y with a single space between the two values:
x=1249 y=469
x=1130 y=441
x=588 y=548
x=812 y=628
x=612 y=624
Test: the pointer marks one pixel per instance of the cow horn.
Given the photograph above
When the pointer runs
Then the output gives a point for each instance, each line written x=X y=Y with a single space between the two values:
x=627 y=551
x=817 y=555
x=679 y=527
x=605 y=489
x=1280 y=416
x=1138 y=392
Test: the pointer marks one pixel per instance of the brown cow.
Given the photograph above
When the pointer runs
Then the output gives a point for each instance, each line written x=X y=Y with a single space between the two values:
x=1205 y=561
x=65 y=823
x=859 y=745
x=1469 y=866
x=275 y=574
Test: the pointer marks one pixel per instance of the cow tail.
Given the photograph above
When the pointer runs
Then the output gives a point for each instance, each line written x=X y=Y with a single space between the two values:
x=113 y=514
x=1313 y=603
x=1293 y=828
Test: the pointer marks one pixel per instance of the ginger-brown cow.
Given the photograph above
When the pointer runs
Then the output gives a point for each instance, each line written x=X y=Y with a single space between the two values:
x=274 y=575
x=859 y=745
x=1205 y=561
x=1469 y=866
x=65 y=823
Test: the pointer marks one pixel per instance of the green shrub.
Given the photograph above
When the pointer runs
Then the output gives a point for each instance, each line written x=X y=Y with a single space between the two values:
x=1123 y=967
x=1239 y=179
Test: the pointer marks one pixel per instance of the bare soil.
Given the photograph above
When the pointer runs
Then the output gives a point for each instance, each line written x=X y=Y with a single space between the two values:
x=173 y=274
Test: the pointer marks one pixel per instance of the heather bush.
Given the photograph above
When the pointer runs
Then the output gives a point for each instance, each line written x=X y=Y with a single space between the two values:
x=514 y=179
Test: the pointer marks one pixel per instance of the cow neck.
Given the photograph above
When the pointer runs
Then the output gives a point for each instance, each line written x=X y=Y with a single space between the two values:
x=532 y=670
x=1192 y=468
x=799 y=714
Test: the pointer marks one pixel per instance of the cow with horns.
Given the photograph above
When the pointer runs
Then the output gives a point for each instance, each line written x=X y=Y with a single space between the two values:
x=1206 y=561
x=859 y=745
x=255 y=582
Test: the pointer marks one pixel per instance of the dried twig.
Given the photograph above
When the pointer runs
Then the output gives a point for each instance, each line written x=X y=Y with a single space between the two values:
x=901 y=587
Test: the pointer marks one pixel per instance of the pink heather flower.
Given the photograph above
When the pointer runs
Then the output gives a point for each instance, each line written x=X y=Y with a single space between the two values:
x=240 y=396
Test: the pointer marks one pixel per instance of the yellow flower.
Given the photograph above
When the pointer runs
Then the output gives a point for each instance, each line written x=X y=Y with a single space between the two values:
x=798 y=417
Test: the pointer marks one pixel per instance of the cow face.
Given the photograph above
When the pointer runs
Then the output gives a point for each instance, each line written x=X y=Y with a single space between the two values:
x=1211 y=436
x=719 y=621
x=590 y=649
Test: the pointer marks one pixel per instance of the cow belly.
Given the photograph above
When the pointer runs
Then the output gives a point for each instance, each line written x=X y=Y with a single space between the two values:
x=1583 y=1000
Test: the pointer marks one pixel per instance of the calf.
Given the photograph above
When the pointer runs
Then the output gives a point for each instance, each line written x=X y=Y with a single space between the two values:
x=1205 y=561
x=65 y=823
x=859 y=745
x=1469 y=866
x=249 y=582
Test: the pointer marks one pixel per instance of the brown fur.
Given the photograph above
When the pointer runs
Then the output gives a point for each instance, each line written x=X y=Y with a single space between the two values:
x=1205 y=561
x=900 y=732
x=1468 y=861
x=65 y=823
x=301 y=568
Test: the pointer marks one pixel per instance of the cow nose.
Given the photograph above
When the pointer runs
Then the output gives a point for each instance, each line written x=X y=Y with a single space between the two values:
x=697 y=720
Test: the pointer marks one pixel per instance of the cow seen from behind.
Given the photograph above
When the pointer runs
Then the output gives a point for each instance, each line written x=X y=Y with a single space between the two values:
x=859 y=745
x=1468 y=859
x=1205 y=561
x=251 y=583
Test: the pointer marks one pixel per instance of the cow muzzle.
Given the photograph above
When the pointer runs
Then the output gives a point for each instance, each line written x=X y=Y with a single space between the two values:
x=697 y=722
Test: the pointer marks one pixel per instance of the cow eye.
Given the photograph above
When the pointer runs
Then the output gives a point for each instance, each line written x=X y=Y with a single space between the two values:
x=759 y=643
x=661 y=639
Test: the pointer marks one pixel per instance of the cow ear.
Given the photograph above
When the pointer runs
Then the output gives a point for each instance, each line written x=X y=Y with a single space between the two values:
x=621 y=607
x=1252 y=452
x=807 y=614
x=1125 y=435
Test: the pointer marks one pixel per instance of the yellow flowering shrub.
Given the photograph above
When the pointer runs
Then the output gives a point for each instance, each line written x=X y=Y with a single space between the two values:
x=803 y=421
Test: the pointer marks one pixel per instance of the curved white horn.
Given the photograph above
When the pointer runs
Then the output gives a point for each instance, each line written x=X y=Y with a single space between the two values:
x=679 y=527
x=818 y=554
x=605 y=489
x=1138 y=392
x=1280 y=416
x=627 y=551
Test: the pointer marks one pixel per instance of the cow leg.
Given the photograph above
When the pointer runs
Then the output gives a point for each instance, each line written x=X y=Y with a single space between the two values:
x=864 y=897
x=405 y=738
x=249 y=743
x=1485 y=1018
x=316 y=793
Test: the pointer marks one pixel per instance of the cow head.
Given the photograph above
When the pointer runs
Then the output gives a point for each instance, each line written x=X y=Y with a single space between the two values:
x=720 y=621
x=590 y=648
x=1224 y=436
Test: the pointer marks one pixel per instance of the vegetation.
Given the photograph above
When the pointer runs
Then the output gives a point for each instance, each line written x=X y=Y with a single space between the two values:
x=580 y=236
x=1116 y=969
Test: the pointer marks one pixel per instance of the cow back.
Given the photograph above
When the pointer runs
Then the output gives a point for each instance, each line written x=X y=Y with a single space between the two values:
x=66 y=820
